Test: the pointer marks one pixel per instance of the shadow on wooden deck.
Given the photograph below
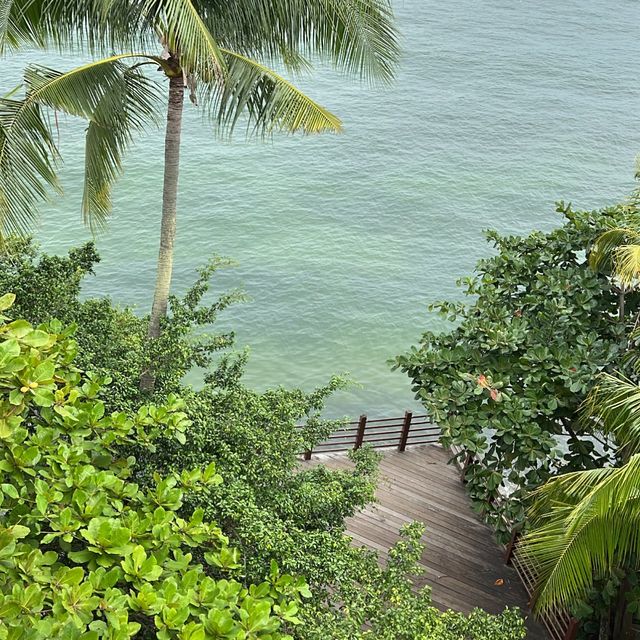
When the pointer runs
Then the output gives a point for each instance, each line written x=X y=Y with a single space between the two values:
x=462 y=562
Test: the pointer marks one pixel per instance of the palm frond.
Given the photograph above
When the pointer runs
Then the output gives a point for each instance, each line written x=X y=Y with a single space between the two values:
x=12 y=92
x=614 y=405
x=357 y=35
x=626 y=261
x=5 y=20
x=127 y=106
x=601 y=255
x=584 y=542
x=28 y=157
x=294 y=61
x=268 y=101
x=28 y=154
x=181 y=28
x=564 y=492
x=96 y=25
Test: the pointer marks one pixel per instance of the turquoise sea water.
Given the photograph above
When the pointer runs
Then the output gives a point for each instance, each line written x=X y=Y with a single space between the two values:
x=500 y=108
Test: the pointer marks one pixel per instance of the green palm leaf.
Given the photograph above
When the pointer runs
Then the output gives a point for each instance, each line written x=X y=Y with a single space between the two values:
x=602 y=254
x=5 y=20
x=180 y=26
x=592 y=530
x=128 y=106
x=27 y=164
x=97 y=25
x=626 y=262
x=269 y=101
x=614 y=406
x=97 y=92
x=357 y=35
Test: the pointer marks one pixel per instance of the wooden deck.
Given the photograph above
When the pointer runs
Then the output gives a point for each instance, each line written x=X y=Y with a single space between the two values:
x=462 y=561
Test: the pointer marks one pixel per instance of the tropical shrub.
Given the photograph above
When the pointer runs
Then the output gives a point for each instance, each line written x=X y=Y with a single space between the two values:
x=272 y=509
x=111 y=340
x=85 y=552
x=382 y=604
x=505 y=382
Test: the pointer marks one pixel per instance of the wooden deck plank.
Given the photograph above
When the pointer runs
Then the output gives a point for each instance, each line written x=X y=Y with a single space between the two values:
x=478 y=583
x=478 y=573
x=442 y=544
x=462 y=562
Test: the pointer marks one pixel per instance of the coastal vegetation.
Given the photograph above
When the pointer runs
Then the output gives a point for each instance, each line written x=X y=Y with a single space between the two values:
x=505 y=384
x=584 y=525
x=266 y=511
x=86 y=552
x=133 y=505
x=536 y=388
x=575 y=455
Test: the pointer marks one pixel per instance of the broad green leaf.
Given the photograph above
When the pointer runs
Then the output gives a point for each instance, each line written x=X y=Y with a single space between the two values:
x=6 y=301
x=19 y=531
x=10 y=490
x=16 y=397
x=41 y=503
x=44 y=371
x=8 y=349
x=43 y=397
x=36 y=338
x=19 y=329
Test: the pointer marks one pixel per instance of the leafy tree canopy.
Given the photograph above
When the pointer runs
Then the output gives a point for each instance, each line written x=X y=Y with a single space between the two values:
x=505 y=382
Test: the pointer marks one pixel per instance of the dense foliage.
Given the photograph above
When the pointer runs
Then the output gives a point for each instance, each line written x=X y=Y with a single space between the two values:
x=112 y=341
x=272 y=509
x=269 y=509
x=86 y=553
x=582 y=526
x=505 y=383
x=384 y=601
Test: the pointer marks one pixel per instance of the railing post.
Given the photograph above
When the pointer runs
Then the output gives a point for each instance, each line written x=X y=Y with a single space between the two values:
x=362 y=425
x=406 y=426
x=465 y=466
x=508 y=554
x=572 y=630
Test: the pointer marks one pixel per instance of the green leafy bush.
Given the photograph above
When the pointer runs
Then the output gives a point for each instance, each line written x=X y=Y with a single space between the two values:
x=84 y=551
x=382 y=604
x=273 y=509
x=270 y=507
x=112 y=341
x=506 y=381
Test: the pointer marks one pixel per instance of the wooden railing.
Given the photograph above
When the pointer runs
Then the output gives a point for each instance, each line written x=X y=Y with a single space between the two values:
x=381 y=433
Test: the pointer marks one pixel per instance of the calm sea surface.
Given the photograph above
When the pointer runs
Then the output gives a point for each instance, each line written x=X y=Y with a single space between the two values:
x=500 y=108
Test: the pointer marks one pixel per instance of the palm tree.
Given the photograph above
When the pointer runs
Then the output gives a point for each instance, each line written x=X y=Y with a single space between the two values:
x=619 y=249
x=209 y=48
x=585 y=526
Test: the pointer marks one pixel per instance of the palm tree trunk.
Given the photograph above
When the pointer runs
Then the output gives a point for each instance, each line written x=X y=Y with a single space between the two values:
x=621 y=295
x=168 y=224
x=623 y=619
x=605 y=624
